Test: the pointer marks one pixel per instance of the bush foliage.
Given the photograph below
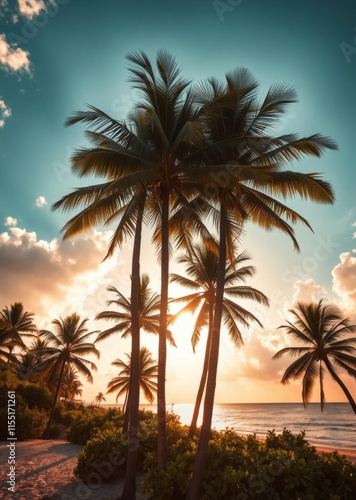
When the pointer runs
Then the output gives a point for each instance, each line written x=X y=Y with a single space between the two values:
x=238 y=468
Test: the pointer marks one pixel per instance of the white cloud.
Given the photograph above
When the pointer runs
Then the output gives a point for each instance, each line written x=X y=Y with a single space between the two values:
x=41 y=202
x=307 y=291
x=5 y=112
x=344 y=279
x=30 y=8
x=13 y=58
x=55 y=278
x=10 y=221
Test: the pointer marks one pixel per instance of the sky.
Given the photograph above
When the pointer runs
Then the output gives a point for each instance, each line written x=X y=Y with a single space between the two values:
x=58 y=55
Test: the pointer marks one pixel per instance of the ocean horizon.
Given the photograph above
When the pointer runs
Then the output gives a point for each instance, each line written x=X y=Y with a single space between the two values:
x=335 y=427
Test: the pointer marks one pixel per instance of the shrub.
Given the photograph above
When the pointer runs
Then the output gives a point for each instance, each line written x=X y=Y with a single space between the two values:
x=85 y=425
x=103 y=458
x=284 y=466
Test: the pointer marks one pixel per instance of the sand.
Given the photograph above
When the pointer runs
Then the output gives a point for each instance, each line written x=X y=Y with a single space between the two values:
x=44 y=470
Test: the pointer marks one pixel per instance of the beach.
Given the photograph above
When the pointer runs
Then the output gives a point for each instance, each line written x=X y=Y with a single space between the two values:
x=44 y=470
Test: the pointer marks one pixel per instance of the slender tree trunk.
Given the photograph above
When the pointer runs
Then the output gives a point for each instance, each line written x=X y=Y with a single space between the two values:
x=200 y=459
x=125 y=426
x=341 y=384
x=193 y=425
x=162 y=342
x=129 y=491
x=48 y=428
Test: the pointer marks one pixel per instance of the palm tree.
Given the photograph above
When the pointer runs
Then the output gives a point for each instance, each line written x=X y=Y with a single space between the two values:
x=324 y=334
x=67 y=347
x=143 y=161
x=71 y=385
x=99 y=398
x=201 y=262
x=148 y=377
x=245 y=162
x=15 y=323
x=148 y=307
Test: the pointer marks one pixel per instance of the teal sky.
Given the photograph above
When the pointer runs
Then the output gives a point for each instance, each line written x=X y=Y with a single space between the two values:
x=73 y=52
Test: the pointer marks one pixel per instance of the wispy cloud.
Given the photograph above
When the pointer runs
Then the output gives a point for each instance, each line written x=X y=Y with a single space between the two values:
x=41 y=202
x=5 y=112
x=13 y=59
x=30 y=8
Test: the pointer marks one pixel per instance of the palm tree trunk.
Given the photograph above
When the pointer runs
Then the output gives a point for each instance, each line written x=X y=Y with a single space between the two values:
x=126 y=408
x=341 y=384
x=162 y=342
x=201 y=455
x=48 y=428
x=129 y=491
x=193 y=425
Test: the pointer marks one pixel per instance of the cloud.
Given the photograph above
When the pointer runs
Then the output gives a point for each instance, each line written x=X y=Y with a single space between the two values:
x=5 y=112
x=13 y=58
x=41 y=202
x=307 y=291
x=10 y=221
x=344 y=279
x=30 y=8
x=55 y=278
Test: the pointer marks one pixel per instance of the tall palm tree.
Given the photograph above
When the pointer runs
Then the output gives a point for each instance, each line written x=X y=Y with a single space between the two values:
x=201 y=262
x=99 y=398
x=145 y=158
x=324 y=335
x=68 y=344
x=148 y=377
x=246 y=163
x=16 y=323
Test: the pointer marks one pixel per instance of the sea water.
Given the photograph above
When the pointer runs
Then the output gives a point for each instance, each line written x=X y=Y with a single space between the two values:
x=335 y=427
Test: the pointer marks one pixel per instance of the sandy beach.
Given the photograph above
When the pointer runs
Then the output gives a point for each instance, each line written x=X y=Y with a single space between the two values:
x=44 y=470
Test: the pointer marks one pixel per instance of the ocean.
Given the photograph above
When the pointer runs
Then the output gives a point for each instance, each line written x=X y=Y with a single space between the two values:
x=334 y=428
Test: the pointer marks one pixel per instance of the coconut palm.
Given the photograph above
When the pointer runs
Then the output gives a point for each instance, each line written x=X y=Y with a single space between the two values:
x=201 y=262
x=67 y=346
x=148 y=307
x=71 y=385
x=145 y=159
x=246 y=164
x=326 y=345
x=99 y=398
x=148 y=377
x=15 y=323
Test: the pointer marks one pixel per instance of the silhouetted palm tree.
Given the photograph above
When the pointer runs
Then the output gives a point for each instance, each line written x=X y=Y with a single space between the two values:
x=99 y=398
x=246 y=164
x=15 y=323
x=148 y=377
x=201 y=263
x=67 y=346
x=324 y=334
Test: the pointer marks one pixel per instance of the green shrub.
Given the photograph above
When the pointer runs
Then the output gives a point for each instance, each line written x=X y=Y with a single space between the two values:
x=85 y=425
x=103 y=458
x=284 y=466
